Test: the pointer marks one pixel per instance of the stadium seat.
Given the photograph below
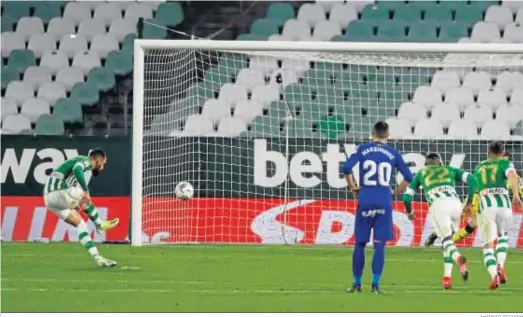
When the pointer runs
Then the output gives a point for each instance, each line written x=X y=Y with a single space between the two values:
x=280 y=12
x=233 y=61
x=248 y=110
x=20 y=60
x=11 y=41
x=343 y=14
x=49 y=125
x=296 y=30
x=263 y=63
x=198 y=125
x=69 y=76
x=377 y=13
x=33 y=108
x=8 y=23
x=232 y=127
x=495 y=129
x=391 y=31
x=102 y=78
x=163 y=124
x=445 y=81
x=327 y=6
x=407 y=14
x=72 y=44
x=19 y=91
x=46 y=10
x=360 y=30
x=361 y=4
x=463 y=129
x=412 y=112
x=312 y=13
x=250 y=78
x=514 y=6
x=477 y=81
x=265 y=94
x=325 y=30
x=106 y=12
x=86 y=94
x=460 y=96
x=9 y=107
x=28 y=26
x=428 y=129
x=499 y=15
x=478 y=114
x=8 y=75
x=69 y=111
x=517 y=97
x=422 y=33
x=295 y=64
x=485 y=32
x=103 y=44
x=297 y=93
x=492 y=98
x=284 y=77
x=452 y=32
x=438 y=13
x=37 y=76
x=231 y=94
x=119 y=28
x=265 y=27
x=169 y=14
x=218 y=75
x=76 y=12
x=12 y=124
x=427 y=96
x=468 y=14
x=40 y=43
x=119 y=63
x=16 y=9
x=511 y=114
x=51 y=91
x=138 y=10
x=445 y=113
x=91 y=27
x=514 y=32
x=54 y=60
x=265 y=126
x=399 y=128
x=519 y=16
x=86 y=61
x=60 y=27
x=216 y=110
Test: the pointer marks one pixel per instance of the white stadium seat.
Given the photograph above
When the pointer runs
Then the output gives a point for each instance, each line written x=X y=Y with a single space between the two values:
x=506 y=81
x=428 y=128
x=198 y=125
x=325 y=30
x=510 y=114
x=215 y=110
x=28 y=26
x=499 y=15
x=399 y=128
x=19 y=91
x=514 y=6
x=298 y=65
x=445 y=113
x=13 y=124
x=519 y=16
x=493 y=98
x=484 y=32
x=265 y=94
x=103 y=44
x=296 y=30
x=89 y=28
x=412 y=112
x=477 y=114
x=231 y=94
x=514 y=32
x=86 y=61
x=495 y=129
x=138 y=10
x=477 y=81
x=327 y=6
x=11 y=41
x=343 y=14
x=287 y=76
x=51 y=91
x=108 y=11
x=445 y=80
x=54 y=60
x=40 y=43
x=427 y=96
x=311 y=13
x=460 y=96
x=232 y=127
x=517 y=97
x=263 y=63
x=463 y=129
x=121 y=27
x=250 y=78
x=8 y=107
x=248 y=110
x=71 y=44
x=77 y=12
x=58 y=27
x=37 y=76
x=69 y=77
x=33 y=108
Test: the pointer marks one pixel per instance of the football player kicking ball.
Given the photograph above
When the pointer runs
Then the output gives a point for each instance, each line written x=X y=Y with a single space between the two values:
x=438 y=182
x=60 y=196
x=495 y=209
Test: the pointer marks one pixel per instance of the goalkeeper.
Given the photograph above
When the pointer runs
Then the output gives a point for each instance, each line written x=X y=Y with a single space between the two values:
x=61 y=196
x=462 y=233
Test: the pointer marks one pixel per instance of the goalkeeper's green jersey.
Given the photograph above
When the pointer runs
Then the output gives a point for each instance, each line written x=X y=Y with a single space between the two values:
x=492 y=181
x=438 y=181
x=74 y=171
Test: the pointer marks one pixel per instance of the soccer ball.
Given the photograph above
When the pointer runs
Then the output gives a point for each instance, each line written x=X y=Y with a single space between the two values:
x=184 y=190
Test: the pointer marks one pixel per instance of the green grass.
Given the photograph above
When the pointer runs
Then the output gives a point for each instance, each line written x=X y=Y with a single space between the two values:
x=199 y=278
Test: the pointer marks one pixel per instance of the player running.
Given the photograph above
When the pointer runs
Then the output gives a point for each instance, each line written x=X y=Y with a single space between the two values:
x=59 y=197
x=438 y=182
x=377 y=162
x=495 y=209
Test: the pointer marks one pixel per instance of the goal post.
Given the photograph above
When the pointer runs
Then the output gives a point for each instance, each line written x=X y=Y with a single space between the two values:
x=261 y=129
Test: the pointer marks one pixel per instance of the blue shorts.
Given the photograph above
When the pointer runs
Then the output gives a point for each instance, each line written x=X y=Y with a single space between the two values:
x=378 y=218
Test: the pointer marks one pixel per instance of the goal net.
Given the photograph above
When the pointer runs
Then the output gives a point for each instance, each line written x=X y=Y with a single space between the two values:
x=261 y=130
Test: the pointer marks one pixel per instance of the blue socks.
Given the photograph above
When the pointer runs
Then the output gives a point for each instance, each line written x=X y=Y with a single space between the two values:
x=378 y=262
x=358 y=262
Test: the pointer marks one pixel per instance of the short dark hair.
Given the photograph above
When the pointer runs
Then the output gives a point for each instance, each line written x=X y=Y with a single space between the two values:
x=496 y=147
x=508 y=155
x=97 y=152
x=380 y=129
x=433 y=156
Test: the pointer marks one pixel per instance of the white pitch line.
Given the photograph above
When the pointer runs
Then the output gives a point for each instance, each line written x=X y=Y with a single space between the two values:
x=161 y=282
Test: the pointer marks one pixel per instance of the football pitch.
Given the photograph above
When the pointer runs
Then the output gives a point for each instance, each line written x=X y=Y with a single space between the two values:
x=61 y=277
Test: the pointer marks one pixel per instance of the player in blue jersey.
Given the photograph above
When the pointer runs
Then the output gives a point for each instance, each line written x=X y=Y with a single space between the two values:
x=377 y=162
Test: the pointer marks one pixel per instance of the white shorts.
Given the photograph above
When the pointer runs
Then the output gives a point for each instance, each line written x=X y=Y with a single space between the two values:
x=444 y=214
x=494 y=222
x=61 y=202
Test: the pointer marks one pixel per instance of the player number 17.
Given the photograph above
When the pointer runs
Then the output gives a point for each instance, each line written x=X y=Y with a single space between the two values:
x=371 y=168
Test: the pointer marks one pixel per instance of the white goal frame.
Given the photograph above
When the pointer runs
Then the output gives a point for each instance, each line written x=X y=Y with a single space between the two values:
x=264 y=46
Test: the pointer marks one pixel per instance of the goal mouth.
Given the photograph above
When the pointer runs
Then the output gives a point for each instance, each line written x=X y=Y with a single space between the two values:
x=260 y=129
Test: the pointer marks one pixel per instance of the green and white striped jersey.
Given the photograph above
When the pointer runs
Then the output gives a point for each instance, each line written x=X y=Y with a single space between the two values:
x=492 y=177
x=438 y=181
x=73 y=172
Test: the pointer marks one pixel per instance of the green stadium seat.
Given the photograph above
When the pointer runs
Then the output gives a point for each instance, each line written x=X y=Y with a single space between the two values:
x=422 y=33
x=265 y=27
x=69 y=111
x=469 y=15
x=27 y=132
x=169 y=14
x=46 y=10
x=297 y=93
x=438 y=13
x=363 y=98
x=407 y=14
x=202 y=90
x=119 y=63
x=128 y=44
x=483 y=5
x=335 y=68
x=8 y=23
x=153 y=32
x=16 y=9
x=360 y=30
x=102 y=78
x=331 y=126
x=233 y=61
x=19 y=60
x=312 y=111
x=318 y=78
x=391 y=31
x=252 y=37
x=218 y=75
x=266 y=126
x=452 y=32
x=278 y=109
x=49 y=125
x=391 y=5
x=8 y=74
x=280 y=12
x=330 y=96
x=375 y=13
x=86 y=94
x=361 y=127
x=380 y=113
x=300 y=129
x=348 y=113
x=349 y=81
x=393 y=97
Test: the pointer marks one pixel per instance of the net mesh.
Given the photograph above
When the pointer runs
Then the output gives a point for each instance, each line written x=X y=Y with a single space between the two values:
x=262 y=136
